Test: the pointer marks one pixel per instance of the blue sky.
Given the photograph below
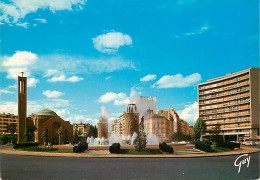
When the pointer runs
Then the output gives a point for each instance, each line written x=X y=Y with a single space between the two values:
x=81 y=55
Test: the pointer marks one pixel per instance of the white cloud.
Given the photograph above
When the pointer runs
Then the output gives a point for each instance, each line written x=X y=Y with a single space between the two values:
x=5 y=91
x=40 y=20
x=108 y=77
x=190 y=113
x=121 y=102
x=8 y=107
x=110 y=42
x=13 y=73
x=13 y=86
x=79 y=64
x=171 y=81
x=31 y=82
x=148 y=77
x=25 y=24
x=195 y=31
x=74 y=79
x=118 y=98
x=19 y=62
x=52 y=94
x=20 y=58
x=63 y=78
x=15 y=10
x=52 y=72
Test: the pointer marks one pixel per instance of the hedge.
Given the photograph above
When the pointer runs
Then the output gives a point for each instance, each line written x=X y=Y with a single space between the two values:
x=25 y=145
x=202 y=145
x=114 y=148
x=81 y=147
x=229 y=145
x=166 y=148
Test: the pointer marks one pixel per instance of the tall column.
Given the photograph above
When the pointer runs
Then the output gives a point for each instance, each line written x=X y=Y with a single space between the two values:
x=22 y=108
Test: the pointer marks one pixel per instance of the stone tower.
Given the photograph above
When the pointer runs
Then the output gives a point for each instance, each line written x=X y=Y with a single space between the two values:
x=22 y=108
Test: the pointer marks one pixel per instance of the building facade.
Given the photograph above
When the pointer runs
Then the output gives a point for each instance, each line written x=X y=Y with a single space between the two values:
x=157 y=124
x=172 y=115
x=229 y=104
x=127 y=123
x=83 y=128
x=8 y=123
x=47 y=121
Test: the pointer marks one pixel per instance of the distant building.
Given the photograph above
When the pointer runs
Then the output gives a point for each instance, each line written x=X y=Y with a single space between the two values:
x=184 y=127
x=48 y=121
x=127 y=123
x=83 y=128
x=8 y=122
x=171 y=114
x=230 y=104
x=148 y=102
x=157 y=124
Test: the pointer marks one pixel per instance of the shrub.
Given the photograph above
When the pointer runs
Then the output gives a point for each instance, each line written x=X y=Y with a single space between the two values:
x=114 y=148
x=25 y=145
x=4 y=139
x=237 y=145
x=81 y=147
x=229 y=145
x=208 y=142
x=202 y=146
x=166 y=148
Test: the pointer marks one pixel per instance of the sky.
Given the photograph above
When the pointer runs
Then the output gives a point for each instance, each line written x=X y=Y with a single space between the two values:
x=80 y=56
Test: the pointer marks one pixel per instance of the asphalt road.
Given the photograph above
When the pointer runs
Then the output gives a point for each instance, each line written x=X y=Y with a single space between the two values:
x=32 y=167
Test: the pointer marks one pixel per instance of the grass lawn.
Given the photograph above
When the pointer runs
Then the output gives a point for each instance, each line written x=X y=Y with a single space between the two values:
x=220 y=149
x=145 y=151
x=46 y=149
x=64 y=151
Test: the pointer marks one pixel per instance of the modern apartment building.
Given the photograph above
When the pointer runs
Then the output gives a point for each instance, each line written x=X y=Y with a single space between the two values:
x=229 y=104
x=8 y=122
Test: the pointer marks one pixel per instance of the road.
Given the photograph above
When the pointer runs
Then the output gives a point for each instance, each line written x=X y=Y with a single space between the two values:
x=33 y=167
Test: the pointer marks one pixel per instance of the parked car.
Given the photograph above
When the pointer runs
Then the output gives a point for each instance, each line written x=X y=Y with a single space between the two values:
x=182 y=143
x=249 y=143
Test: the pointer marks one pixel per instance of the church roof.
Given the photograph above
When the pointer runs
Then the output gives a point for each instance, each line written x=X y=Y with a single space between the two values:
x=46 y=112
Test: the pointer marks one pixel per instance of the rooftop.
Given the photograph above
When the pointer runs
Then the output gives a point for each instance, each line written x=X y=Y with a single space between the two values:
x=46 y=112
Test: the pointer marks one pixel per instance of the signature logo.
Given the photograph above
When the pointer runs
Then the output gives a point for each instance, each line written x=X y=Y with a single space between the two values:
x=241 y=160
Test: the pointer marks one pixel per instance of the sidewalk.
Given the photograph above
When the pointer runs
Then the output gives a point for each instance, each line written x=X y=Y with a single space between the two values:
x=242 y=150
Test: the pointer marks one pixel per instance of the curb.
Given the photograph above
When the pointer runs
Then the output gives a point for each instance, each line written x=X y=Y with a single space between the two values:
x=70 y=155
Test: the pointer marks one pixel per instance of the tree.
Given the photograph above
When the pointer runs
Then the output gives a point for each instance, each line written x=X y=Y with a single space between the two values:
x=29 y=135
x=199 y=128
x=11 y=128
x=59 y=133
x=179 y=137
x=92 y=131
x=4 y=138
x=76 y=137
x=45 y=137
x=140 y=141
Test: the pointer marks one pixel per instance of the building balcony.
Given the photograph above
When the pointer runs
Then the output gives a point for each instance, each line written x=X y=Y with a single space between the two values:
x=224 y=105
x=218 y=95
x=224 y=117
x=220 y=101
x=231 y=128
x=222 y=111
x=219 y=84
x=223 y=89
x=229 y=121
